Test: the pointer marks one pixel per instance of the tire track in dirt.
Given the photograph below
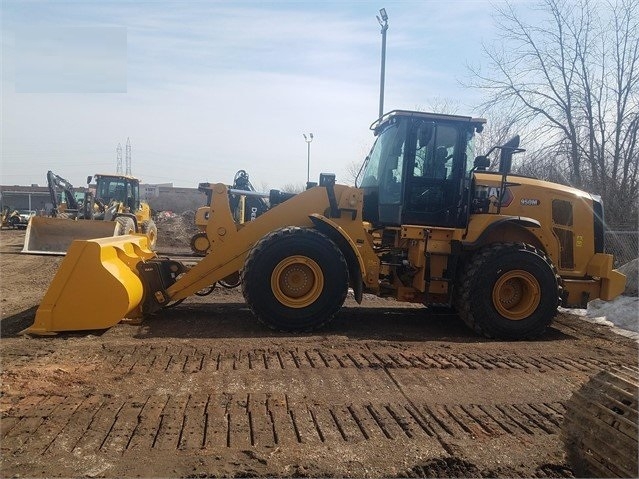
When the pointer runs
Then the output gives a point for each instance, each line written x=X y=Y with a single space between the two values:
x=114 y=425
x=126 y=360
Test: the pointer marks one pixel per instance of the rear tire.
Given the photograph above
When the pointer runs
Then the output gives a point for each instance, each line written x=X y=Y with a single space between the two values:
x=126 y=226
x=200 y=243
x=233 y=280
x=150 y=229
x=295 y=279
x=509 y=291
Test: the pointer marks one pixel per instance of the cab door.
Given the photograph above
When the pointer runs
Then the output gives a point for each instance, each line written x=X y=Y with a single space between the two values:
x=435 y=168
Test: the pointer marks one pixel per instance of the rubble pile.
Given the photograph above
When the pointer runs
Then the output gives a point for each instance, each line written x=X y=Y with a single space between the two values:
x=175 y=230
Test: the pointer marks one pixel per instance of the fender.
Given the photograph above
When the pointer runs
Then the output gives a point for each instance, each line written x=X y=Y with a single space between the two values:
x=348 y=248
x=487 y=226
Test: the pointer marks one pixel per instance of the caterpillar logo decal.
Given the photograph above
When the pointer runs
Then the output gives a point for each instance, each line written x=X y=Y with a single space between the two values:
x=494 y=194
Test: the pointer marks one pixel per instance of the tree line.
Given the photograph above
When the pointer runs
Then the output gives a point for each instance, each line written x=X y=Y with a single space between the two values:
x=569 y=81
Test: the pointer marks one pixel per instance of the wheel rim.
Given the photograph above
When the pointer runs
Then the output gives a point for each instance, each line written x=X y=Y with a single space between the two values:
x=297 y=281
x=516 y=295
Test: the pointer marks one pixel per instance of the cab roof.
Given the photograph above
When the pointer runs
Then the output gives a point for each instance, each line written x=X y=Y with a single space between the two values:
x=424 y=115
x=116 y=175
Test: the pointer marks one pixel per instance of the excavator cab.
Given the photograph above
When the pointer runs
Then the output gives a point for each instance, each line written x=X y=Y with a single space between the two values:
x=418 y=169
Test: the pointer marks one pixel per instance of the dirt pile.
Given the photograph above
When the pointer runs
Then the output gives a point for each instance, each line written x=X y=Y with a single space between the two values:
x=175 y=230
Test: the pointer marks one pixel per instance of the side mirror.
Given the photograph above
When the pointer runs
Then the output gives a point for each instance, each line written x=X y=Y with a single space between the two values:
x=89 y=178
x=506 y=155
x=327 y=179
x=481 y=162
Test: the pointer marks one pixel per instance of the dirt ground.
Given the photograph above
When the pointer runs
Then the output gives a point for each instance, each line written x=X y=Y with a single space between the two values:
x=204 y=390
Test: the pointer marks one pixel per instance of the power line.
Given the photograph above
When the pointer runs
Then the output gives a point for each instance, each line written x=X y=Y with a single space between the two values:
x=128 y=157
x=118 y=165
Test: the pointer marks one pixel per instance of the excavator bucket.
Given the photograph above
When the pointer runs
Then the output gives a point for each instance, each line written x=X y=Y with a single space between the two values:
x=55 y=235
x=97 y=277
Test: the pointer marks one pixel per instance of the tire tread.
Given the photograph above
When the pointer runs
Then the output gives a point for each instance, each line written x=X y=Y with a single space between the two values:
x=463 y=298
x=259 y=249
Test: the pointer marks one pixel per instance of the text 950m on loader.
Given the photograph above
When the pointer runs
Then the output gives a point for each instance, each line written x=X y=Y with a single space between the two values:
x=428 y=224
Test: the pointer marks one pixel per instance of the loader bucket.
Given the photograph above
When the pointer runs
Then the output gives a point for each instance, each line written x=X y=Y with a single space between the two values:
x=55 y=235
x=95 y=287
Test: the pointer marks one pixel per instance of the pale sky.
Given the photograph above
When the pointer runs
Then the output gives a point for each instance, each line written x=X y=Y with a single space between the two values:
x=205 y=88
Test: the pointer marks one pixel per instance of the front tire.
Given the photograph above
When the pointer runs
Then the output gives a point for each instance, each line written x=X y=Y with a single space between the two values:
x=295 y=279
x=509 y=291
x=150 y=229
x=126 y=226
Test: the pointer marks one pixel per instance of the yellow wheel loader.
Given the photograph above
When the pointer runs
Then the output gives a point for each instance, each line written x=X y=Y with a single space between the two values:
x=428 y=224
x=114 y=209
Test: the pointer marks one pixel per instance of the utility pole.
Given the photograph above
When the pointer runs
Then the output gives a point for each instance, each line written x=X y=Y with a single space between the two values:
x=383 y=21
x=308 y=140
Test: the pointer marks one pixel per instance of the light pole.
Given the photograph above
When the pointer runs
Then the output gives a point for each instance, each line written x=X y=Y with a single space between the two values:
x=383 y=21
x=308 y=140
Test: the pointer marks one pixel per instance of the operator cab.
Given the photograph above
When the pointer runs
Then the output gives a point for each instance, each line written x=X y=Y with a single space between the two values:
x=417 y=168
x=121 y=189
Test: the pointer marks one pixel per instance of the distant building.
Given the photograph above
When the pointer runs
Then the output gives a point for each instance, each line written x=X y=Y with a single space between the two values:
x=32 y=197
x=160 y=197
x=148 y=191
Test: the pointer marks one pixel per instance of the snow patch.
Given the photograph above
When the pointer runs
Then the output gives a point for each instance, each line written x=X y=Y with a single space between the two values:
x=622 y=314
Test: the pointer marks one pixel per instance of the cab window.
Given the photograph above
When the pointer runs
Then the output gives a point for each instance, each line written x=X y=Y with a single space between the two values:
x=391 y=170
x=434 y=151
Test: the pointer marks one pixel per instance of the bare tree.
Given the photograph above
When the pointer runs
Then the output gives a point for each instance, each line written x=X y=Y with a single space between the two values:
x=572 y=78
x=351 y=170
x=440 y=104
x=293 y=188
x=497 y=131
x=264 y=187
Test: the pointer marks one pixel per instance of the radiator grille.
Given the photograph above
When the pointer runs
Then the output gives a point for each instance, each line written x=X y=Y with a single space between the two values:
x=562 y=212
